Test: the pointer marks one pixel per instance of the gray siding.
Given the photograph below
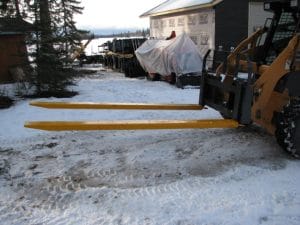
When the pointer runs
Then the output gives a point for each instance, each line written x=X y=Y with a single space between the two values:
x=231 y=23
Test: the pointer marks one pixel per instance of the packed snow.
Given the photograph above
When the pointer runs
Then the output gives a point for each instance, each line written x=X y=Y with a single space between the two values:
x=159 y=177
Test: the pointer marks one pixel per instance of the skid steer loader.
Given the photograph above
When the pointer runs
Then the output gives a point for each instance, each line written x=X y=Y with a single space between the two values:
x=268 y=92
x=259 y=83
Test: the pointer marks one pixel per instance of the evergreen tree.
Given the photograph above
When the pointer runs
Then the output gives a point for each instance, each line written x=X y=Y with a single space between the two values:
x=55 y=35
x=67 y=34
x=14 y=8
x=6 y=8
x=49 y=70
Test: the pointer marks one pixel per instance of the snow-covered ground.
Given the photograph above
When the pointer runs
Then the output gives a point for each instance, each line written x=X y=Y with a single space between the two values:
x=180 y=177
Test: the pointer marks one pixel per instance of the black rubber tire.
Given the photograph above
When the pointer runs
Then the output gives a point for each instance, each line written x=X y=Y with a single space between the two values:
x=288 y=128
x=178 y=83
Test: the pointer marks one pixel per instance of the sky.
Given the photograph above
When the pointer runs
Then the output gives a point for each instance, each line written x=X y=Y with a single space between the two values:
x=106 y=15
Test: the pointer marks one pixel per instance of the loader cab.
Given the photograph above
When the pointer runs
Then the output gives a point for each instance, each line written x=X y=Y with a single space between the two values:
x=280 y=30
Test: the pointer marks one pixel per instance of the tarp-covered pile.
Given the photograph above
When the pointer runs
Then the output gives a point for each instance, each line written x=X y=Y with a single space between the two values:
x=178 y=55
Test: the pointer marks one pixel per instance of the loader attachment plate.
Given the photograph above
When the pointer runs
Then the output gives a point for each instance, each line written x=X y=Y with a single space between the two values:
x=131 y=124
x=116 y=106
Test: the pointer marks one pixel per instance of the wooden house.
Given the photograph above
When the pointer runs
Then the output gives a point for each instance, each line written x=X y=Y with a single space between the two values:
x=13 y=52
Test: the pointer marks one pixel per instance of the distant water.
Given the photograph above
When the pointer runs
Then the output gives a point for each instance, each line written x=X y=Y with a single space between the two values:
x=93 y=47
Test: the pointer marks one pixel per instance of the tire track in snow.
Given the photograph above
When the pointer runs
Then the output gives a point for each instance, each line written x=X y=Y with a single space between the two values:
x=60 y=190
x=118 y=219
x=18 y=212
x=63 y=191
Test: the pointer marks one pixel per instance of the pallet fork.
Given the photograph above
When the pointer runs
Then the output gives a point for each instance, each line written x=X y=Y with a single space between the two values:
x=125 y=124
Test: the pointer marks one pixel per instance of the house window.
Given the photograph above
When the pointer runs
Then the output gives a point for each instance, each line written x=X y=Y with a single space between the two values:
x=203 y=18
x=194 y=39
x=204 y=39
x=171 y=22
x=180 y=22
x=192 y=20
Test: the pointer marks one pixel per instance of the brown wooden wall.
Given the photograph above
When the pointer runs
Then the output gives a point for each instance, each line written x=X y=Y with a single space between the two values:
x=12 y=53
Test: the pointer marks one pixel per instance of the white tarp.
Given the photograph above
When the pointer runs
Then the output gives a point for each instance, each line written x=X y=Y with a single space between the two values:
x=179 y=55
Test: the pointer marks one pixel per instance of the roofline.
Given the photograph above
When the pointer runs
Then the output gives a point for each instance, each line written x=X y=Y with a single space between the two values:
x=146 y=14
x=207 y=5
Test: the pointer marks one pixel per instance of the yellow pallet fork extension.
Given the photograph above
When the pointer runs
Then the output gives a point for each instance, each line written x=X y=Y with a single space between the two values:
x=131 y=124
x=115 y=106
x=125 y=124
